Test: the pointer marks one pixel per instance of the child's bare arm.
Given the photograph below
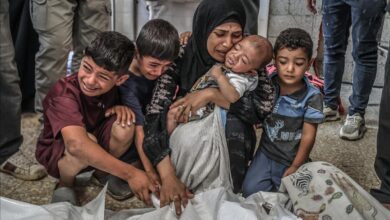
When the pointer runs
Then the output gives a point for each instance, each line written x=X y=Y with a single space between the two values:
x=84 y=149
x=309 y=132
x=150 y=171
x=227 y=89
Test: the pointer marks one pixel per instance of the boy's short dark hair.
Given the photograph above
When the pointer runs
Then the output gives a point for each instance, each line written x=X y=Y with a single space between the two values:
x=294 y=38
x=158 y=39
x=112 y=51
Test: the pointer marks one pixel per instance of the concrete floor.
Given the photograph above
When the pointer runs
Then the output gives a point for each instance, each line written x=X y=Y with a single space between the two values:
x=356 y=158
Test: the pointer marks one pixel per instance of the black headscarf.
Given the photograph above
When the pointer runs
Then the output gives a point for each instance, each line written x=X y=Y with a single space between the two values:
x=196 y=60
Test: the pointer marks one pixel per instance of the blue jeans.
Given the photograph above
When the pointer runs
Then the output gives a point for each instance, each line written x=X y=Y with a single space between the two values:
x=10 y=94
x=264 y=174
x=365 y=17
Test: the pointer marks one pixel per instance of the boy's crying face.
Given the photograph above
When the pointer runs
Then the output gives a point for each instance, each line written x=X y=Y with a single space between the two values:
x=95 y=80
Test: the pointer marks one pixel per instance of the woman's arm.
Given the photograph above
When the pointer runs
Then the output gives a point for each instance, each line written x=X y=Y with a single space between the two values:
x=256 y=105
x=156 y=141
x=197 y=99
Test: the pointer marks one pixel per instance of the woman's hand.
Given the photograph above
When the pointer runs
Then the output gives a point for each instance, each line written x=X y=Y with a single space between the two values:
x=124 y=115
x=190 y=103
x=173 y=190
x=184 y=37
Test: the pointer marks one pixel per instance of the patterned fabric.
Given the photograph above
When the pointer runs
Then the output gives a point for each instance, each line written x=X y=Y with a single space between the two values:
x=251 y=109
x=283 y=130
x=318 y=190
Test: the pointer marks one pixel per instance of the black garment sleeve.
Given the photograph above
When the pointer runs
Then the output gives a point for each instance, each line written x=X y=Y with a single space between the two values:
x=156 y=142
x=255 y=105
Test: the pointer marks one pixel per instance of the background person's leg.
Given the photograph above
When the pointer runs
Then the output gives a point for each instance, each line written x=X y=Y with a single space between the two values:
x=336 y=23
x=366 y=23
x=26 y=46
x=10 y=94
x=12 y=161
x=382 y=159
x=92 y=17
x=53 y=21
x=367 y=19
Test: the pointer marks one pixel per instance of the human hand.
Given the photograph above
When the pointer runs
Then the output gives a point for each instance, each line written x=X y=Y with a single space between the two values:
x=124 y=115
x=184 y=37
x=311 y=6
x=190 y=104
x=292 y=169
x=141 y=185
x=154 y=178
x=173 y=190
x=216 y=71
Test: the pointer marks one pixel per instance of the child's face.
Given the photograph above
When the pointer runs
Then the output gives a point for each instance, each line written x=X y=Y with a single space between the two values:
x=243 y=57
x=95 y=81
x=291 y=65
x=151 y=67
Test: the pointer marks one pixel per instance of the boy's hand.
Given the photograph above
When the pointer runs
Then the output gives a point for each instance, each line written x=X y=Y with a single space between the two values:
x=292 y=169
x=154 y=178
x=173 y=190
x=141 y=186
x=124 y=115
x=184 y=37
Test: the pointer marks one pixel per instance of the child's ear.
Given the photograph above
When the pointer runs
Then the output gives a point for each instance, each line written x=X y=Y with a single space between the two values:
x=122 y=79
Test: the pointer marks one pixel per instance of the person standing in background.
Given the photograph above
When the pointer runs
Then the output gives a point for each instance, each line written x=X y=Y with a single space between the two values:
x=365 y=17
x=26 y=46
x=12 y=160
x=63 y=26
x=382 y=159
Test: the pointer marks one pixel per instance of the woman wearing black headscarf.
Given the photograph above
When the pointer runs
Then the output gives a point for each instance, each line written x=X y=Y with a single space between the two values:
x=217 y=26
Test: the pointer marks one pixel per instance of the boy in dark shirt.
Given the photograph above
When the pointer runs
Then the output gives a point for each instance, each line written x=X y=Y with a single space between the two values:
x=84 y=125
x=157 y=45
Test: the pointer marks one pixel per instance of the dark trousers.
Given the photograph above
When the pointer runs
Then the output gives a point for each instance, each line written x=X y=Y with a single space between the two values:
x=382 y=159
x=26 y=45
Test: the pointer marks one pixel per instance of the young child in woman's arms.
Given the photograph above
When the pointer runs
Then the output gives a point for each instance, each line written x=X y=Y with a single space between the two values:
x=290 y=132
x=233 y=78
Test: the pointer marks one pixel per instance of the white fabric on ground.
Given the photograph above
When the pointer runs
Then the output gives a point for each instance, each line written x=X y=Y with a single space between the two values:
x=210 y=205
